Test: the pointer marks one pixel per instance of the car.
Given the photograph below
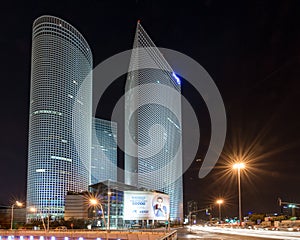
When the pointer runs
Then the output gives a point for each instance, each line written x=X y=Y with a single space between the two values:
x=136 y=225
x=22 y=228
x=62 y=228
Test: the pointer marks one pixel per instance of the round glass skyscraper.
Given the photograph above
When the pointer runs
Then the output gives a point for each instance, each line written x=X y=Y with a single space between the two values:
x=60 y=116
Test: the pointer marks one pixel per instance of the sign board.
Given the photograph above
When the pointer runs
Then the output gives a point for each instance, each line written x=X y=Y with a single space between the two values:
x=140 y=205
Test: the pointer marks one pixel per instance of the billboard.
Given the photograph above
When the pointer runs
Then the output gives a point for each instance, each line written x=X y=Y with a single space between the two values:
x=139 y=205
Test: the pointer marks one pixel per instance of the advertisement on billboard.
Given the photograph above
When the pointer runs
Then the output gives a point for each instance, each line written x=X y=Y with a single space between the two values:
x=139 y=205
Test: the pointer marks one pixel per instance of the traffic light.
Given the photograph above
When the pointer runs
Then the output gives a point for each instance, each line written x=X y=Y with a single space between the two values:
x=207 y=211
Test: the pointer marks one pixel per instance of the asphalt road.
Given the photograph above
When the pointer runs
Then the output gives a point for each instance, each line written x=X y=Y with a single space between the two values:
x=184 y=234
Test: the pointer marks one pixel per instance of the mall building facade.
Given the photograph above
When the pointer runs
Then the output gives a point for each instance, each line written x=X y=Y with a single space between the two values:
x=118 y=206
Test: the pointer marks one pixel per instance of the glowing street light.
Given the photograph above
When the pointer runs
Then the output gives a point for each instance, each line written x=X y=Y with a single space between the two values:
x=239 y=166
x=95 y=202
x=34 y=210
x=18 y=204
x=220 y=202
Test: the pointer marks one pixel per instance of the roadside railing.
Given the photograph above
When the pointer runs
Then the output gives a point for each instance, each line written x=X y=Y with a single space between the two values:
x=170 y=236
x=85 y=235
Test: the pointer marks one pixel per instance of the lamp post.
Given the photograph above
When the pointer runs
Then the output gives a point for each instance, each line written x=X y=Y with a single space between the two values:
x=18 y=204
x=108 y=210
x=48 y=222
x=95 y=202
x=34 y=210
x=220 y=202
x=239 y=166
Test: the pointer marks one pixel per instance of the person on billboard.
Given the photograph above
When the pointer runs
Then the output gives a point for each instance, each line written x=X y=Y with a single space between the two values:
x=160 y=210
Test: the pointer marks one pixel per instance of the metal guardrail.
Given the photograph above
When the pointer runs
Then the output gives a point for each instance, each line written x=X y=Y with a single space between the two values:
x=77 y=234
x=170 y=236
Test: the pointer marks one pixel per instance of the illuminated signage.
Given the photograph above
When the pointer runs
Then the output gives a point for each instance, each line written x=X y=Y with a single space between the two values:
x=139 y=205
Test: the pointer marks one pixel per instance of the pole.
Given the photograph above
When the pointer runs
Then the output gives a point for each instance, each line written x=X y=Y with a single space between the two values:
x=240 y=197
x=108 y=210
x=190 y=220
x=48 y=222
x=210 y=215
x=220 y=212
x=48 y=210
x=103 y=216
x=43 y=222
x=12 y=216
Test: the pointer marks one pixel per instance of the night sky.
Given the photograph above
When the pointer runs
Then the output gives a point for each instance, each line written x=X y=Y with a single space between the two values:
x=251 y=49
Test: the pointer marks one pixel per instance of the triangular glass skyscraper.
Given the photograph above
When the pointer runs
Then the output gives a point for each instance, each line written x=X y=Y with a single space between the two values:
x=153 y=128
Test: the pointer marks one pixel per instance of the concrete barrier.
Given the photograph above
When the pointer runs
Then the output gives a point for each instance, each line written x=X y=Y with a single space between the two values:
x=86 y=235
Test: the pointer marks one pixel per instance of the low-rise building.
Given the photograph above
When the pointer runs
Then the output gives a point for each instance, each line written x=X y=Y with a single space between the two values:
x=19 y=216
x=76 y=205
x=118 y=205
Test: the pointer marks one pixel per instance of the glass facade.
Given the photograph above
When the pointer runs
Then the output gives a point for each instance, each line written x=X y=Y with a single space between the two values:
x=60 y=118
x=104 y=151
x=143 y=114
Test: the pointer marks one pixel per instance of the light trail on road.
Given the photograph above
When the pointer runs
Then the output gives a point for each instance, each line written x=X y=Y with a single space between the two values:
x=283 y=235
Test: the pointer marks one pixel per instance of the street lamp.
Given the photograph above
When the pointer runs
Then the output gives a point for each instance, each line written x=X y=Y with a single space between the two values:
x=219 y=202
x=239 y=166
x=108 y=209
x=34 y=210
x=95 y=202
x=18 y=204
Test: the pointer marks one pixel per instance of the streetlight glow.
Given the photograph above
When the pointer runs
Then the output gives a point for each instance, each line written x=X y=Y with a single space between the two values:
x=220 y=201
x=94 y=201
x=18 y=204
x=239 y=166
x=32 y=209
x=35 y=210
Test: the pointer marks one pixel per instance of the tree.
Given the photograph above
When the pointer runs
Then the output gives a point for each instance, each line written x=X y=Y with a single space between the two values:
x=256 y=216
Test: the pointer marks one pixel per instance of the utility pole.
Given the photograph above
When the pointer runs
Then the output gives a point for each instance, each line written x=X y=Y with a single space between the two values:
x=108 y=209
x=196 y=211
